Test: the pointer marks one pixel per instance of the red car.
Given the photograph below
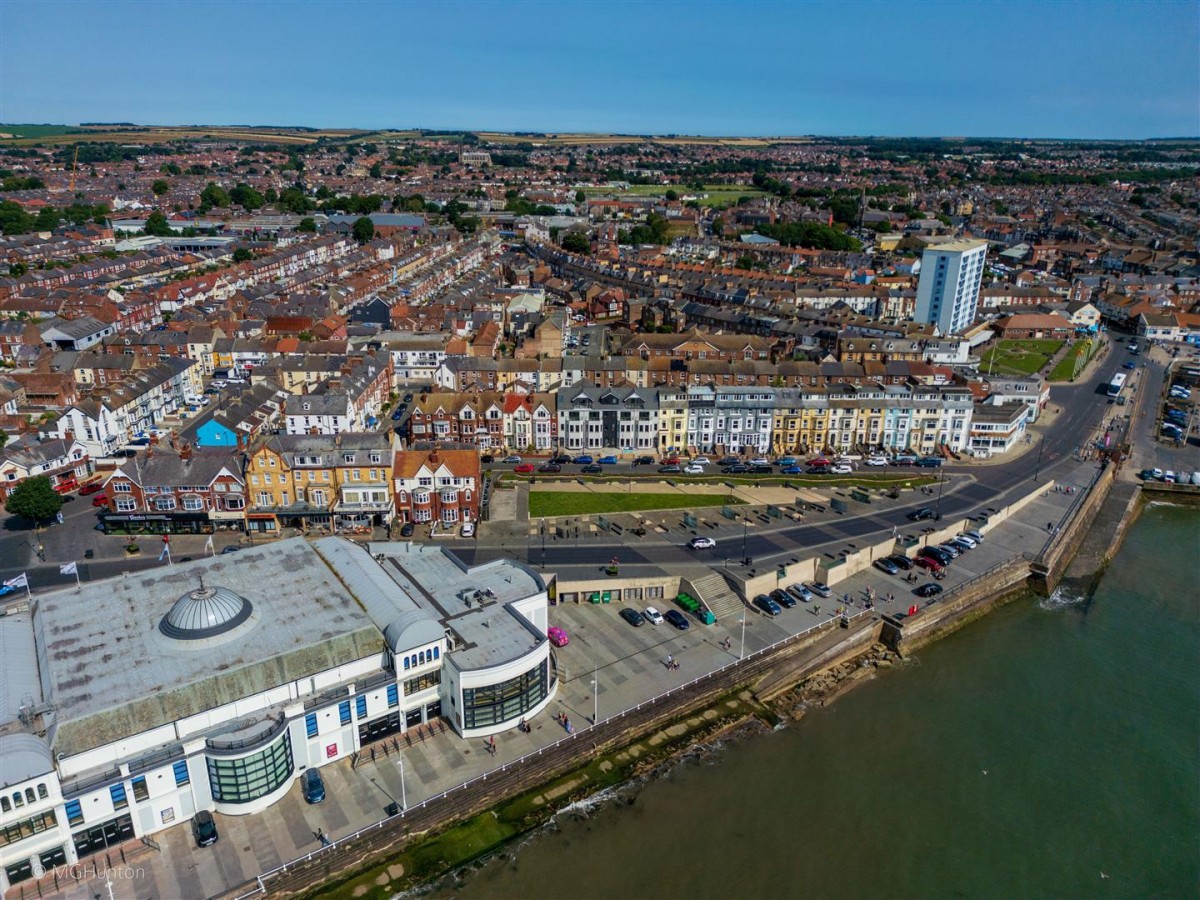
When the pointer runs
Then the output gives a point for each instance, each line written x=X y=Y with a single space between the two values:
x=670 y=461
x=523 y=468
x=558 y=637
x=932 y=565
x=100 y=500
x=89 y=489
x=819 y=461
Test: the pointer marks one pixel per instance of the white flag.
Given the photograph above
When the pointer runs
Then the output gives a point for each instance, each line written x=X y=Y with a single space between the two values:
x=21 y=580
x=68 y=569
x=208 y=545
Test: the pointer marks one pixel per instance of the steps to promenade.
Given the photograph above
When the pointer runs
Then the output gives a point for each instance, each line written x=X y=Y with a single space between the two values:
x=715 y=593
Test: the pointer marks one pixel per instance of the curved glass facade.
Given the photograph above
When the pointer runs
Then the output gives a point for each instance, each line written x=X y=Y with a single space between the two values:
x=502 y=702
x=250 y=777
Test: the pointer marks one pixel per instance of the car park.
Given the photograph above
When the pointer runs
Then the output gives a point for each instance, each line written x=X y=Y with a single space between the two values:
x=204 y=828
x=607 y=460
x=523 y=468
x=592 y=469
x=513 y=458
x=550 y=468
x=468 y=529
x=702 y=543
x=407 y=529
x=558 y=636
x=676 y=618
x=583 y=460
x=767 y=605
x=800 y=592
x=632 y=616
x=928 y=590
x=901 y=561
x=314 y=787
x=886 y=565
x=670 y=470
x=783 y=598
x=653 y=616
x=693 y=469
x=820 y=588
x=920 y=515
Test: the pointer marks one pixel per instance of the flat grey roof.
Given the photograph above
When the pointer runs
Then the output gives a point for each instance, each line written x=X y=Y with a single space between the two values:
x=489 y=632
x=18 y=674
x=111 y=674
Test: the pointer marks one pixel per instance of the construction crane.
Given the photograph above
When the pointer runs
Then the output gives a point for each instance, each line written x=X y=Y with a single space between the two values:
x=74 y=167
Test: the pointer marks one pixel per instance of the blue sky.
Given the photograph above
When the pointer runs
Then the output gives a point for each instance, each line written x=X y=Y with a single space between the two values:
x=1041 y=69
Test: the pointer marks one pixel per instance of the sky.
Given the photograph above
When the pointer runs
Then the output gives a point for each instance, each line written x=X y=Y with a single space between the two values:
x=1093 y=69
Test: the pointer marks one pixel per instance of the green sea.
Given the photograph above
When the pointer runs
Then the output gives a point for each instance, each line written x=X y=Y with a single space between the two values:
x=1051 y=749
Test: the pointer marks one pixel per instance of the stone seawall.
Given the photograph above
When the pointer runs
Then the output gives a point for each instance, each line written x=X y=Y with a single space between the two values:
x=1049 y=568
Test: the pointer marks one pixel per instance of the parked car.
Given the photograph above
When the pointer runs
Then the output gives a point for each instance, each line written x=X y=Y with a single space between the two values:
x=204 y=828
x=928 y=462
x=702 y=543
x=728 y=461
x=523 y=468
x=930 y=589
x=974 y=535
x=671 y=461
x=701 y=461
x=886 y=565
x=607 y=460
x=841 y=469
x=1129 y=364
x=693 y=469
x=928 y=562
x=968 y=540
x=100 y=500
x=952 y=552
x=800 y=592
x=935 y=553
x=676 y=618
x=314 y=787
x=820 y=588
x=550 y=468
x=670 y=470
x=738 y=469
x=408 y=398
x=920 y=515
x=877 y=461
x=901 y=561
x=644 y=461
x=227 y=550
x=592 y=469
x=904 y=461
x=407 y=529
x=632 y=616
x=819 y=461
x=397 y=415
x=958 y=544
x=818 y=470
x=760 y=461
x=786 y=461
x=512 y=458
x=139 y=442
x=487 y=458
x=89 y=489
x=761 y=470
x=783 y=598
x=767 y=605
x=558 y=636
x=791 y=470
x=583 y=460
x=468 y=529
x=653 y=616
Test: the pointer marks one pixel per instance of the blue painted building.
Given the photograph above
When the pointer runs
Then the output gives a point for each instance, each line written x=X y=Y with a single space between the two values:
x=215 y=434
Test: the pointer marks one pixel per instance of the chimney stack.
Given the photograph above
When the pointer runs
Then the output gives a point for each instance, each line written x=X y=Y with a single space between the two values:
x=186 y=453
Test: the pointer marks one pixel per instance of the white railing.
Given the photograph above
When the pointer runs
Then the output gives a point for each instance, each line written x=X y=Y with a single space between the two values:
x=528 y=757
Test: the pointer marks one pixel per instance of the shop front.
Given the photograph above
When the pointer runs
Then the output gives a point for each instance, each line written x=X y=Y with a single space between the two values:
x=155 y=523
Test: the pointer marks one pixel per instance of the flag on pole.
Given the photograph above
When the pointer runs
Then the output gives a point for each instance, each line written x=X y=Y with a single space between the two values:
x=68 y=569
x=208 y=545
x=21 y=580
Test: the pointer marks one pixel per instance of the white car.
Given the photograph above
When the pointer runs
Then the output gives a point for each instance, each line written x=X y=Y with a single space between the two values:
x=701 y=461
x=653 y=616
x=693 y=469
x=702 y=543
x=877 y=461
x=218 y=383
x=468 y=529
x=842 y=469
x=968 y=540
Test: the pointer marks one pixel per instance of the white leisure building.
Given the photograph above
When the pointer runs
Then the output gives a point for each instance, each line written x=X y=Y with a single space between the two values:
x=127 y=705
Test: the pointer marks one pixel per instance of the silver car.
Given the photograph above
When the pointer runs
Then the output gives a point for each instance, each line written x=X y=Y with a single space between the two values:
x=800 y=592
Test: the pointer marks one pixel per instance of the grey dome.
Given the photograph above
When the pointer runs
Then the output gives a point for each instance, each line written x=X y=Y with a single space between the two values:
x=205 y=613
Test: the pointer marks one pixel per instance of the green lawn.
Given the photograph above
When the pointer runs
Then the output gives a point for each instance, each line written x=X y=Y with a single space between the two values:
x=1064 y=369
x=582 y=503
x=1019 y=357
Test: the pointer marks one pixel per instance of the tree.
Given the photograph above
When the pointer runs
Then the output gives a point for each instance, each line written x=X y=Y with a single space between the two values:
x=160 y=187
x=580 y=196
x=246 y=197
x=364 y=230
x=671 y=196
x=308 y=223
x=34 y=499
x=576 y=242
x=241 y=255
x=17 y=269
x=376 y=170
x=157 y=225
x=214 y=195
x=47 y=219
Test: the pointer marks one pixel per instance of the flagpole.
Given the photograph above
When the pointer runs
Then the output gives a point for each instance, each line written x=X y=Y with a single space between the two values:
x=28 y=593
x=78 y=583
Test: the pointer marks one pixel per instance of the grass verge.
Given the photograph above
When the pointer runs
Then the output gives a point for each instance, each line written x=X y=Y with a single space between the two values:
x=1019 y=357
x=582 y=503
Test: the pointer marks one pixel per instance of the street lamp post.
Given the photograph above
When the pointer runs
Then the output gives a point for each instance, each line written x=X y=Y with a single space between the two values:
x=745 y=531
x=595 y=699
x=941 y=484
x=742 y=651
x=1038 y=469
x=403 y=792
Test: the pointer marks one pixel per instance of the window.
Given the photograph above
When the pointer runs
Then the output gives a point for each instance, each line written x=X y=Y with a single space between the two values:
x=193 y=504
x=141 y=793
x=119 y=800
x=121 y=487
x=5 y=805
x=126 y=504
x=18 y=831
x=503 y=702
x=360 y=706
x=393 y=696
x=182 y=775
x=250 y=777
x=344 y=712
x=422 y=682
x=74 y=812
x=310 y=724
x=164 y=504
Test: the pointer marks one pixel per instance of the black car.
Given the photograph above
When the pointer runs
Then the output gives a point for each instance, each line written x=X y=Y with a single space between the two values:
x=767 y=605
x=487 y=458
x=550 y=467
x=932 y=589
x=783 y=598
x=397 y=415
x=901 y=561
x=676 y=618
x=632 y=616
x=204 y=828
x=728 y=461
x=561 y=460
x=818 y=470
x=592 y=469
x=935 y=553
x=408 y=398
x=886 y=565
x=919 y=515
x=644 y=461
x=739 y=469
x=408 y=529
x=761 y=470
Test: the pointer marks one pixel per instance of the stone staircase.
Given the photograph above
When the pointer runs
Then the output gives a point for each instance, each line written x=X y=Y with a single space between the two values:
x=714 y=592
